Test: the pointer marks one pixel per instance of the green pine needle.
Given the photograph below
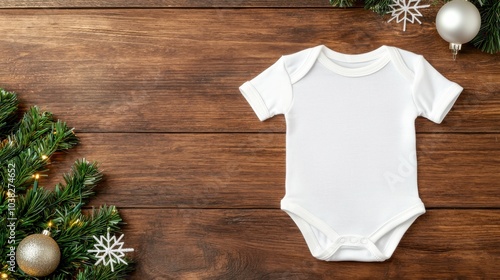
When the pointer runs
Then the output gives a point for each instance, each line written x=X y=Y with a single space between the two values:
x=37 y=137
x=25 y=148
x=380 y=7
x=74 y=233
x=31 y=210
x=79 y=186
x=342 y=3
x=102 y=272
x=488 y=38
x=9 y=105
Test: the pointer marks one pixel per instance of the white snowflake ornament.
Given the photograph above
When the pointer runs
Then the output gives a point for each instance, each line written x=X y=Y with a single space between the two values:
x=406 y=10
x=109 y=250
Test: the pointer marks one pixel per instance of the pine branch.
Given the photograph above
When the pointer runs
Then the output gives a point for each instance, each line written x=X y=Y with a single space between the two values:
x=380 y=7
x=79 y=186
x=32 y=211
x=342 y=3
x=29 y=148
x=105 y=273
x=25 y=148
x=8 y=105
x=30 y=214
x=74 y=235
x=71 y=227
x=488 y=38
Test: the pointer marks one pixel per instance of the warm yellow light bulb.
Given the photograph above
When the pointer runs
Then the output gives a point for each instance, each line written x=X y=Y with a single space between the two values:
x=37 y=176
x=44 y=157
x=75 y=222
x=49 y=224
x=5 y=276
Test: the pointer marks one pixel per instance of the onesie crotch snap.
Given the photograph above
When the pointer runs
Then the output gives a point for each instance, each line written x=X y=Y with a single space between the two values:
x=353 y=241
x=347 y=243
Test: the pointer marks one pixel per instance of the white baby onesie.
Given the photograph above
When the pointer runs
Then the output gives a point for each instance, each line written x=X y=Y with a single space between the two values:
x=351 y=167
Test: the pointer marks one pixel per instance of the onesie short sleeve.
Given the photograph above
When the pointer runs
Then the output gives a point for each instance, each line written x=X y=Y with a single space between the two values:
x=434 y=95
x=269 y=93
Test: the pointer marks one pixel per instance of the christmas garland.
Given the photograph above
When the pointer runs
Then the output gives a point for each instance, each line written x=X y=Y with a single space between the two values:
x=69 y=247
x=488 y=38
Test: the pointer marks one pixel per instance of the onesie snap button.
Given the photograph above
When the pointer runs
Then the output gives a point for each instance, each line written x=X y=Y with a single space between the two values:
x=342 y=240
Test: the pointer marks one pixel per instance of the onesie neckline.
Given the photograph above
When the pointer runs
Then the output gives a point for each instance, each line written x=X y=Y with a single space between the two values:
x=378 y=58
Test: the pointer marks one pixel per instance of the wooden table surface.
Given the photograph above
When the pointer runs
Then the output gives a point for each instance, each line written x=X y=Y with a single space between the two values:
x=152 y=89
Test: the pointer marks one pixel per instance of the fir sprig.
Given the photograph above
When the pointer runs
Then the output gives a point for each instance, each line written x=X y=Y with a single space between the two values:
x=71 y=229
x=25 y=149
x=103 y=272
x=9 y=105
x=488 y=38
x=380 y=7
x=342 y=3
x=37 y=137
x=32 y=211
x=79 y=185
x=74 y=233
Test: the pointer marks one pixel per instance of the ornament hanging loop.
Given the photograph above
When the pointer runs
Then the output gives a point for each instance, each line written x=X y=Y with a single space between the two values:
x=454 y=49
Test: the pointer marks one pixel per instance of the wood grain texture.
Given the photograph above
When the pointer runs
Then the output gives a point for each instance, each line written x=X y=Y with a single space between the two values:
x=265 y=244
x=178 y=70
x=162 y=4
x=152 y=89
x=248 y=170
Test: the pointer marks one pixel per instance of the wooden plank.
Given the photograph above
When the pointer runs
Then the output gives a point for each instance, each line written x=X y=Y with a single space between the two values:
x=265 y=244
x=178 y=70
x=153 y=95
x=248 y=170
x=162 y=4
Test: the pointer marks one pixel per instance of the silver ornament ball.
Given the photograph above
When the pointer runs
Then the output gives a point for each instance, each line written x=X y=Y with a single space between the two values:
x=458 y=22
x=38 y=254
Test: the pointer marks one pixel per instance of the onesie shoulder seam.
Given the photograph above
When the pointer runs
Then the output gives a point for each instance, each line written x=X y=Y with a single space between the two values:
x=306 y=65
x=300 y=72
x=407 y=73
x=401 y=66
x=289 y=102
